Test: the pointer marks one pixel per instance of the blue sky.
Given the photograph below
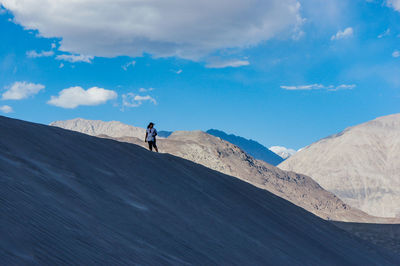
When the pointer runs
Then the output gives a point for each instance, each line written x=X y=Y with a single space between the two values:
x=280 y=72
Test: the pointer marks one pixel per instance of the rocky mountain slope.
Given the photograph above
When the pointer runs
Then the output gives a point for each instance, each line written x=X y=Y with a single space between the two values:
x=361 y=165
x=70 y=198
x=251 y=147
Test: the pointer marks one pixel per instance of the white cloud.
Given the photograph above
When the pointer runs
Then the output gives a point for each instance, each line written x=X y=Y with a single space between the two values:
x=61 y=65
x=22 y=90
x=384 y=34
x=133 y=100
x=75 y=58
x=220 y=63
x=283 y=151
x=396 y=54
x=34 y=54
x=179 y=71
x=145 y=90
x=190 y=29
x=75 y=96
x=319 y=87
x=346 y=33
x=6 y=109
x=127 y=65
x=395 y=4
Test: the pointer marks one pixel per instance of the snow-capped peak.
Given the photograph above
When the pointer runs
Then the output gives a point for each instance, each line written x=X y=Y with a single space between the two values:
x=283 y=151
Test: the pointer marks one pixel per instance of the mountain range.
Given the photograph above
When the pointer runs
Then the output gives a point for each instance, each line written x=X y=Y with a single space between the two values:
x=70 y=198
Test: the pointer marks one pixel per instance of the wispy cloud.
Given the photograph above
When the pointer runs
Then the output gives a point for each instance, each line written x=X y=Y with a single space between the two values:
x=22 y=90
x=6 y=109
x=129 y=64
x=221 y=63
x=75 y=58
x=319 y=87
x=342 y=87
x=146 y=90
x=384 y=34
x=76 y=96
x=298 y=35
x=396 y=54
x=343 y=34
x=304 y=87
x=134 y=100
x=34 y=54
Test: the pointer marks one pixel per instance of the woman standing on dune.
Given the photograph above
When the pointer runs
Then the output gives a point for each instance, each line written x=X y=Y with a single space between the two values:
x=150 y=138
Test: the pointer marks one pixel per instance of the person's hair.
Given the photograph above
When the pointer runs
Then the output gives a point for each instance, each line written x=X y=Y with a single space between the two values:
x=150 y=124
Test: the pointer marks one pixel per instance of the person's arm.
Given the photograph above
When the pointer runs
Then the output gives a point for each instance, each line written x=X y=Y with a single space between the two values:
x=155 y=132
x=145 y=138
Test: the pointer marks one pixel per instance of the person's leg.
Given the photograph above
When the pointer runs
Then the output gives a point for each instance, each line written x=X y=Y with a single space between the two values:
x=150 y=145
x=155 y=146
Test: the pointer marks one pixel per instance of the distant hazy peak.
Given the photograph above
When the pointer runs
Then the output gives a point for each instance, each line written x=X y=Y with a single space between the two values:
x=283 y=151
x=98 y=127
x=252 y=147
x=188 y=135
x=164 y=133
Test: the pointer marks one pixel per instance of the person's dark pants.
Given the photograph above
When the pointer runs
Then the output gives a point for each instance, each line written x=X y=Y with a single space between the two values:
x=152 y=144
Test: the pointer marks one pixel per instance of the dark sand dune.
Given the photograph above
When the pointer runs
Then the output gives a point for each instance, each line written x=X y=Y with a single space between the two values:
x=69 y=198
x=384 y=235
